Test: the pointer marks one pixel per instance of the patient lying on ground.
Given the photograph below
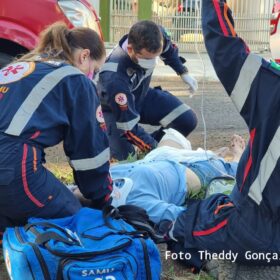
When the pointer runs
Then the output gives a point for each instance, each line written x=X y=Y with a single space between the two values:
x=161 y=181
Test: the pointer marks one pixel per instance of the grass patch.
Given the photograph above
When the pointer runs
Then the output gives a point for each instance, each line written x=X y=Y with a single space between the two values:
x=62 y=171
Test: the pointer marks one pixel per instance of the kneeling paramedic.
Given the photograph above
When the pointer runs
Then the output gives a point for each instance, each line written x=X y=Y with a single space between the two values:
x=47 y=98
x=127 y=99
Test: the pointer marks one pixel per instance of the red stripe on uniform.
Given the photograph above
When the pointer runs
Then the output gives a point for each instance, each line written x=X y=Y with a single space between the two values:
x=107 y=197
x=24 y=179
x=250 y=160
x=210 y=230
x=220 y=18
x=36 y=134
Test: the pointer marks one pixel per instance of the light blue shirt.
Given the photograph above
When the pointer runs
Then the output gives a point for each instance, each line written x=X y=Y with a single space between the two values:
x=158 y=186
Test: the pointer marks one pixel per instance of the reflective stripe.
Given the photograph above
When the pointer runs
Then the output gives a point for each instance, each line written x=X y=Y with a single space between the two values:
x=109 y=66
x=128 y=125
x=244 y=82
x=267 y=166
x=167 y=47
x=91 y=163
x=148 y=73
x=174 y=114
x=36 y=96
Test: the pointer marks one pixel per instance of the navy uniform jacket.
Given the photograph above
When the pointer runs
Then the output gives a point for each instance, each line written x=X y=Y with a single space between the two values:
x=46 y=103
x=124 y=85
x=248 y=219
x=254 y=87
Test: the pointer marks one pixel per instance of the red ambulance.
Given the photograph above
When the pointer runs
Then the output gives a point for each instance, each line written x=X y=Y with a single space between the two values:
x=22 y=21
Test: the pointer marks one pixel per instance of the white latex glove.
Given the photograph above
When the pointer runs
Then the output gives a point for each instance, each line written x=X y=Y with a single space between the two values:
x=192 y=82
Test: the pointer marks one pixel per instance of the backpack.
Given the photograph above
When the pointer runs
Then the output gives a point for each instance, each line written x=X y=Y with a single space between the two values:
x=84 y=246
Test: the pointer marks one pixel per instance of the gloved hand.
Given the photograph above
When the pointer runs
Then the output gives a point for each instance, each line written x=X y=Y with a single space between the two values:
x=192 y=82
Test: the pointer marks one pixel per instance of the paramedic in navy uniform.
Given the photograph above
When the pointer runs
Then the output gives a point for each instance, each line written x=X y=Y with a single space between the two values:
x=248 y=219
x=127 y=99
x=47 y=97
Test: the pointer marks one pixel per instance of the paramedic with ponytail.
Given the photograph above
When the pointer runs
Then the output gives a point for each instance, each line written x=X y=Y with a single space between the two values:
x=127 y=98
x=47 y=97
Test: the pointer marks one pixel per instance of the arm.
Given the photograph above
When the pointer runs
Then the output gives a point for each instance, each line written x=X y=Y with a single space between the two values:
x=159 y=210
x=86 y=143
x=246 y=77
x=149 y=193
x=170 y=56
x=117 y=95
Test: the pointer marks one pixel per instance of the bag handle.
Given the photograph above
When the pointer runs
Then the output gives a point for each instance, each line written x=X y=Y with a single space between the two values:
x=45 y=237
x=49 y=225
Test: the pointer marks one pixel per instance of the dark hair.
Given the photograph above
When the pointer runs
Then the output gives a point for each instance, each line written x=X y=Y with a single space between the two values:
x=145 y=35
x=59 y=42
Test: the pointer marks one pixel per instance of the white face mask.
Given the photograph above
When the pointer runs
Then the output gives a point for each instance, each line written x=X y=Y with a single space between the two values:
x=148 y=63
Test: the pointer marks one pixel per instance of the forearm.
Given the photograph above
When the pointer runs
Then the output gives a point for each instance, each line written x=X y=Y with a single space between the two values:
x=95 y=185
x=226 y=50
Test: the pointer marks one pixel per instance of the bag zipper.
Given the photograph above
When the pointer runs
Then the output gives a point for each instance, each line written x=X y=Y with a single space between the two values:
x=146 y=259
x=88 y=254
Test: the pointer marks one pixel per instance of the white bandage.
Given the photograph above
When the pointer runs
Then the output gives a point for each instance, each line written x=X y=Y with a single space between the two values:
x=172 y=137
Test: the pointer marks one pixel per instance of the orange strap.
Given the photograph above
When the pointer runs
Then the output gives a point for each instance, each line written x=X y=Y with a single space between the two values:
x=228 y=21
x=219 y=207
x=34 y=159
x=137 y=141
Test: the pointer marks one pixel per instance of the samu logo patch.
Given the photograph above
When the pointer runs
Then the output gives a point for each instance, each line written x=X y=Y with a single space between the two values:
x=15 y=72
x=100 y=118
x=121 y=100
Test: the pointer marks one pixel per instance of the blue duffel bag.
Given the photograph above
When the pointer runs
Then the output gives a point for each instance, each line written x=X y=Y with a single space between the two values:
x=83 y=246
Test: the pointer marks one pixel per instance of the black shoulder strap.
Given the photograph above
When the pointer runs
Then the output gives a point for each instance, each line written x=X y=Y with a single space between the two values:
x=135 y=216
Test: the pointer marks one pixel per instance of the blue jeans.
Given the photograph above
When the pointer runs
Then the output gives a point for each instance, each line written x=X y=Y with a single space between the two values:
x=206 y=170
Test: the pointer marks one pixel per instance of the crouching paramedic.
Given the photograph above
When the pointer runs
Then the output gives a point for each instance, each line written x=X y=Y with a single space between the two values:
x=46 y=97
x=127 y=99
x=248 y=219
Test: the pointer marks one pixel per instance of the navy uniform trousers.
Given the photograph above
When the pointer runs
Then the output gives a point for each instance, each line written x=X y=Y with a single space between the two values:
x=24 y=178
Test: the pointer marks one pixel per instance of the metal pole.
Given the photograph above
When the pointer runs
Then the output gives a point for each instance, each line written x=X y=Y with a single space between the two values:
x=105 y=19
